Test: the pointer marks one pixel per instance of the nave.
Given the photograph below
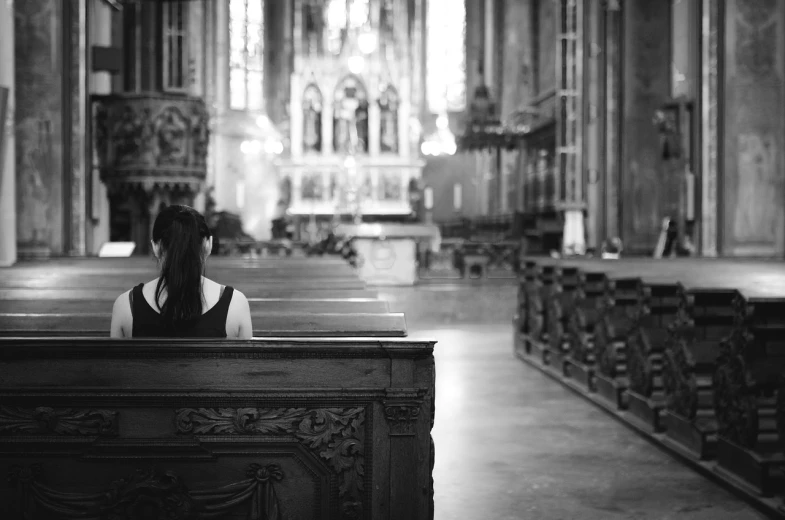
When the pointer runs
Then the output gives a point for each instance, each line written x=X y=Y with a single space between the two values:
x=513 y=444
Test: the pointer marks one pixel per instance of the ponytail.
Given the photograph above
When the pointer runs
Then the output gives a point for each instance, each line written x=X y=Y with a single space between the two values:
x=180 y=232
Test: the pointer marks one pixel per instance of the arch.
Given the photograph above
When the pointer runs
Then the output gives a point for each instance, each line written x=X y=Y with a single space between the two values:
x=388 y=119
x=350 y=116
x=312 y=107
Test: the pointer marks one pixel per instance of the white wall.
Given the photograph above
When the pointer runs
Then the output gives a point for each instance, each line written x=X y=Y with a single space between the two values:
x=7 y=155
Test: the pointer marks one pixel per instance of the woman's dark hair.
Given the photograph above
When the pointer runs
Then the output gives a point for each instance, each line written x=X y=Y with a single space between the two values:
x=180 y=232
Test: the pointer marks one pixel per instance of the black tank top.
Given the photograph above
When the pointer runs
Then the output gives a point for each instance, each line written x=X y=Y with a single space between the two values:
x=148 y=322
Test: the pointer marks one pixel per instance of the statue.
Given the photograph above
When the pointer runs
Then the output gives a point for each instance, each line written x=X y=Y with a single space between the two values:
x=350 y=120
x=312 y=119
x=388 y=133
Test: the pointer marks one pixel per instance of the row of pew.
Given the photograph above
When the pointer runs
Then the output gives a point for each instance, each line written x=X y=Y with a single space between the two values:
x=690 y=353
x=325 y=414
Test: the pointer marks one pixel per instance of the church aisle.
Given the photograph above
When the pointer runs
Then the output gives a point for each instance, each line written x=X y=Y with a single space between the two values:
x=513 y=444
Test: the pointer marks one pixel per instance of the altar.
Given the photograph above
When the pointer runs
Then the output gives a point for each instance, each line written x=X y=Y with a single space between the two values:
x=387 y=253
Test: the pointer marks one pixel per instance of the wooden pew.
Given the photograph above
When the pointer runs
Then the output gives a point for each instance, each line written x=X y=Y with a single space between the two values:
x=310 y=428
x=320 y=431
x=266 y=324
x=258 y=305
x=691 y=348
x=256 y=291
x=121 y=283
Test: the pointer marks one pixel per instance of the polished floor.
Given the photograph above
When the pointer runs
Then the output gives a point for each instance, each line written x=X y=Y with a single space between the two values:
x=513 y=444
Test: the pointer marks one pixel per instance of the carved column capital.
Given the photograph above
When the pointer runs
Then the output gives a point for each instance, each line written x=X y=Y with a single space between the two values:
x=402 y=409
x=402 y=417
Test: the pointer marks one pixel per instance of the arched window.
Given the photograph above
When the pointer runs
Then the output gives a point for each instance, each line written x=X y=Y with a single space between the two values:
x=350 y=117
x=246 y=54
x=312 y=119
x=388 y=119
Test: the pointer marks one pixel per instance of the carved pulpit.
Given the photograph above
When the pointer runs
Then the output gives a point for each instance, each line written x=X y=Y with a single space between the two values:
x=151 y=149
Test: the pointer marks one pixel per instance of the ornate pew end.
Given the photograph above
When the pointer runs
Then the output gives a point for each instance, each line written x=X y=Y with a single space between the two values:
x=646 y=395
x=758 y=473
x=582 y=373
x=696 y=439
x=612 y=390
x=611 y=336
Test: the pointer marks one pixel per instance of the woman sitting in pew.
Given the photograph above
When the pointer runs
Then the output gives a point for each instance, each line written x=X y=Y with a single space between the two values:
x=181 y=302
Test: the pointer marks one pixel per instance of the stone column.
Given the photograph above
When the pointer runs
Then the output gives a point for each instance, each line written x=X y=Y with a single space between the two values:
x=296 y=115
x=75 y=115
x=7 y=155
x=38 y=62
x=100 y=24
x=709 y=126
x=327 y=121
x=374 y=118
x=196 y=48
x=591 y=121
x=489 y=48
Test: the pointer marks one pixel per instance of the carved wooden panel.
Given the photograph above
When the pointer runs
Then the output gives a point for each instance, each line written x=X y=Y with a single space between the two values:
x=645 y=184
x=754 y=181
x=348 y=441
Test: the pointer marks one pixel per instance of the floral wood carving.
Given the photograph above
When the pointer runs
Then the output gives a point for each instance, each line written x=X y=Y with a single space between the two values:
x=64 y=421
x=735 y=405
x=781 y=413
x=334 y=434
x=735 y=401
x=679 y=381
x=638 y=364
x=151 y=494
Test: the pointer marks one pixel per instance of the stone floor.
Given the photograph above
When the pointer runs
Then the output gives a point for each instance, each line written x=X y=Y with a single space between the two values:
x=512 y=443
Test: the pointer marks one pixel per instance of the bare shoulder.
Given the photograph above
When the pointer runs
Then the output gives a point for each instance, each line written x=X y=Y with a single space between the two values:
x=122 y=303
x=239 y=301
x=122 y=317
x=238 y=321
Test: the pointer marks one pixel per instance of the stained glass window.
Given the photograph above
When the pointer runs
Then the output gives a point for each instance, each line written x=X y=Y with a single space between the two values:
x=246 y=54
x=175 y=46
x=446 y=64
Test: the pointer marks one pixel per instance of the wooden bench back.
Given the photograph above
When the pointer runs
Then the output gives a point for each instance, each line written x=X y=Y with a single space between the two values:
x=258 y=305
x=315 y=429
x=251 y=291
x=266 y=324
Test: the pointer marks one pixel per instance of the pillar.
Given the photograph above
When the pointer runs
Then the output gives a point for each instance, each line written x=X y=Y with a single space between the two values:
x=7 y=155
x=100 y=82
x=38 y=116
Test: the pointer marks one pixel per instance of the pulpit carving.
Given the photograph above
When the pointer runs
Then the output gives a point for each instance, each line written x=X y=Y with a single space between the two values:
x=151 y=139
